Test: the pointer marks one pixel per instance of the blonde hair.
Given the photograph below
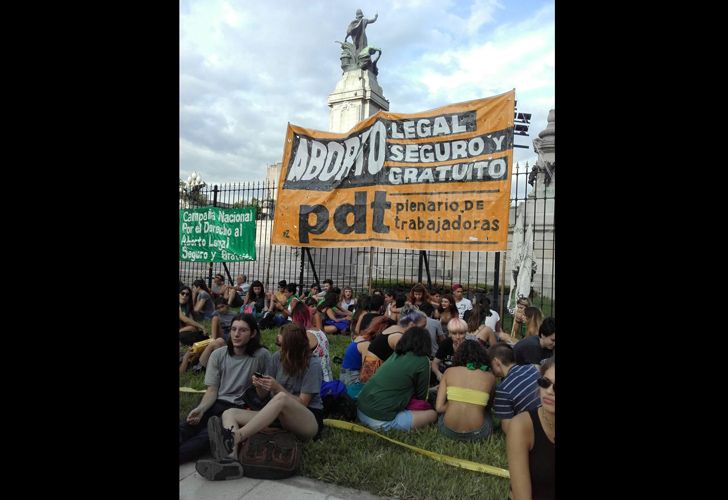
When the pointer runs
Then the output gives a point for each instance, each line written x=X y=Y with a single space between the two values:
x=456 y=325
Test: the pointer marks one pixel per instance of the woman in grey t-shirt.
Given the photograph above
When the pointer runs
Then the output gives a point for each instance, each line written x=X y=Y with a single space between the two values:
x=295 y=387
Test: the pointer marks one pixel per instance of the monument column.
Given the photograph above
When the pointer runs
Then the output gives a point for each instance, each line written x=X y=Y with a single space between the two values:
x=357 y=95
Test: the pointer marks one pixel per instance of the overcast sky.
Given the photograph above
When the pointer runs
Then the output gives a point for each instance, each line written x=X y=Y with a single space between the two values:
x=247 y=68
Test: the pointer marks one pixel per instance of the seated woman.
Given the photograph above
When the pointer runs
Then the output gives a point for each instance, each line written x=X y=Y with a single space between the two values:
x=463 y=395
x=296 y=404
x=222 y=319
x=443 y=360
x=335 y=320
x=396 y=302
x=190 y=331
x=531 y=442
x=369 y=308
x=202 y=300
x=317 y=340
x=447 y=311
x=383 y=402
x=347 y=302
x=254 y=301
x=355 y=352
x=477 y=326
x=418 y=295
x=382 y=346
x=534 y=318
x=317 y=321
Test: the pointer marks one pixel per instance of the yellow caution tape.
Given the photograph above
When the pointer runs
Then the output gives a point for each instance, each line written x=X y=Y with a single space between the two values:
x=190 y=389
x=456 y=462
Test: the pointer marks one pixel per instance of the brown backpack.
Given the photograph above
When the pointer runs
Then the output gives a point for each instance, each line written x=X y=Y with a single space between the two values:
x=272 y=453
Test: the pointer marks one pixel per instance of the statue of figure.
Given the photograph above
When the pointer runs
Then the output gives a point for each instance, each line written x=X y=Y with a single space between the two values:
x=357 y=30
x=365 y=59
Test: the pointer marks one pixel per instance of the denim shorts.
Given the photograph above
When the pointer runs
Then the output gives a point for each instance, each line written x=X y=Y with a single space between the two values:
x=402 y=421
x=481 y=433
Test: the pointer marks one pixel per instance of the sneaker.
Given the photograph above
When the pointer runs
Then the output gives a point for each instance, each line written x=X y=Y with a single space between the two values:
x=222 y=441
x=219 y=470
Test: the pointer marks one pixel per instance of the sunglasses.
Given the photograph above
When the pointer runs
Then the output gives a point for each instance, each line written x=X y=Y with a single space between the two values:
x=546 y=383
x=184 y=293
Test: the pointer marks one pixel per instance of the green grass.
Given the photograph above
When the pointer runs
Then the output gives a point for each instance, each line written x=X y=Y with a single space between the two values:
x=371 y=464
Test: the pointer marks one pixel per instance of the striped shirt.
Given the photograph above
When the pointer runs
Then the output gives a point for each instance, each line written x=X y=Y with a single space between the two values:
x=517 y=392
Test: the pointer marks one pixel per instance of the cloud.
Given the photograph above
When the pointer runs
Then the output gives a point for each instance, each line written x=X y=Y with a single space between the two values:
x=249 y=68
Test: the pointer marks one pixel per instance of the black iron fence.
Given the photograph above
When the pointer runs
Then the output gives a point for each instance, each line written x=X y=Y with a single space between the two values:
x=369 y=268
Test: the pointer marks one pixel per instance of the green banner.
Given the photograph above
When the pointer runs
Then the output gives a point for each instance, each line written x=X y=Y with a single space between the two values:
x=217 y=234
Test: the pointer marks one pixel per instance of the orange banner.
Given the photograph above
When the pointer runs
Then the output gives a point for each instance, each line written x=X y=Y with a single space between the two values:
x=436 y=180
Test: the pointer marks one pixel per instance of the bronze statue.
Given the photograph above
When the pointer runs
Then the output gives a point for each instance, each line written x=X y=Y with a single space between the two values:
x=357 y=54
x=357 y=30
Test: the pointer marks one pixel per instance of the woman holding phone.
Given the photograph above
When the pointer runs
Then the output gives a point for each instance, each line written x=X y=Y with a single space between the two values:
x=296 y=403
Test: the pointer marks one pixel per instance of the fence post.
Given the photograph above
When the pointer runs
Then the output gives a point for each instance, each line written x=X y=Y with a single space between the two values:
x=300 y=277
x=209 y=270
x=496 y=279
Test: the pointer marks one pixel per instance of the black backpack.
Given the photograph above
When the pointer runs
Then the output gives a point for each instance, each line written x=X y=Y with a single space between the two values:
x=337 y=402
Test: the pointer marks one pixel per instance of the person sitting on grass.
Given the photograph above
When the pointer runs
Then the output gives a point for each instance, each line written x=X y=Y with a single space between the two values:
x=317 y=321
x=347 y=302
x=355 y=352
x=382 y=346
x=317 y=340
x=255 y=300
x=190 y=331
x=369 y=308
x=295 y=384
x=282 y=309
x=202 y=300
x=457 y=329
x=463 y=393
x=534 y=318
x=533 y=350
x=418 y=295
x=531 y=443
x=447 y=311
x=382 y=404
x=227 y=378
x=222 y=318
x=519 y=320
x=437 y=335
x=335 y=320
x=517 y=390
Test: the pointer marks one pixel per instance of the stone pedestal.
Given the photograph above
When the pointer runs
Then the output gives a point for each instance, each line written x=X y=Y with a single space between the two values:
x=357 y=96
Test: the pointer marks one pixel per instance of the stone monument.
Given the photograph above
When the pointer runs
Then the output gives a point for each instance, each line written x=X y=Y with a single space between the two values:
x=357 y=94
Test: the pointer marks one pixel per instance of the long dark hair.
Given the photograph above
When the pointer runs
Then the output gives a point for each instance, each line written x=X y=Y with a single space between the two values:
x=415 y=340
x=254 y=342
x=295 y=350
x=252 y=297
x=200 y=283
x=187 y=308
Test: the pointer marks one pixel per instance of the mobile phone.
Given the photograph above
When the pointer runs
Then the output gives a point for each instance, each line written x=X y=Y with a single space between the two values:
x=258 y=374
